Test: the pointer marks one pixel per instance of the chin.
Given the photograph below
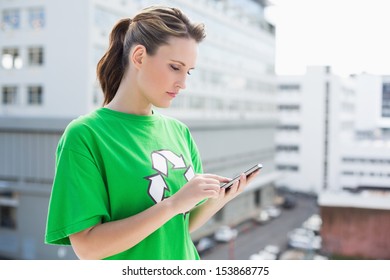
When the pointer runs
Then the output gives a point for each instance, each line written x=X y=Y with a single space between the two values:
x=164 y=105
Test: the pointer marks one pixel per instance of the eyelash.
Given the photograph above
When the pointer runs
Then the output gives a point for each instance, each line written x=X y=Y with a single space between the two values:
x=177 y=69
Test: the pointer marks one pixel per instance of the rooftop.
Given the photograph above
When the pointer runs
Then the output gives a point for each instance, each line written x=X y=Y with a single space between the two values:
x=365 y=199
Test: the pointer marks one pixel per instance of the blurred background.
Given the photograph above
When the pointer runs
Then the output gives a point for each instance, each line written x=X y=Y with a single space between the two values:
x=301 y=86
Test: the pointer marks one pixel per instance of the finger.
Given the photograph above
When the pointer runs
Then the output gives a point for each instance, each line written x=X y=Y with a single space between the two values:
x=242 y=183
x=254 y=174
x=206 y=179
x=233 y=189
x=210 y=186
x=243 y=179
x=211 y=181
x=217 y=177
x=211 y=194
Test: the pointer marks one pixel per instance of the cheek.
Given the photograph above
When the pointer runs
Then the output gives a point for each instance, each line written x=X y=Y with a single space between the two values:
x=156 y=76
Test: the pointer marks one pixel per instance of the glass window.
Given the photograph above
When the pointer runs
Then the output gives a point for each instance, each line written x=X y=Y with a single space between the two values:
x=35 y=95
x=11 y=59
x=287 y=148
x=11 y=19
x=289 y=107
x=293 y=168
x=36 y=18
x=289 y=87
x=8 y=206
x=9 y=95
x=35 y=56
x=386 y=100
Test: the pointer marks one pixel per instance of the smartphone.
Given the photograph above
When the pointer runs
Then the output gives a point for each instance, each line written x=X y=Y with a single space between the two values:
x=247 y=173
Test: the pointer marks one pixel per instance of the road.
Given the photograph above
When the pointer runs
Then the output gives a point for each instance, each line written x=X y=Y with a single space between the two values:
x=253 y=237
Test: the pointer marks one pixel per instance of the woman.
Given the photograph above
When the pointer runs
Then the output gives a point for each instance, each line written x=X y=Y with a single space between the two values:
x=129 y=182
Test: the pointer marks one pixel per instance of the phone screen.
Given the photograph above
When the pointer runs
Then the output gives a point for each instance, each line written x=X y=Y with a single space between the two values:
x=247 y=173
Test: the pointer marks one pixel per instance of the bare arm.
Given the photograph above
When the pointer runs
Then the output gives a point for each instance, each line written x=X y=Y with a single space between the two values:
x=106 y=239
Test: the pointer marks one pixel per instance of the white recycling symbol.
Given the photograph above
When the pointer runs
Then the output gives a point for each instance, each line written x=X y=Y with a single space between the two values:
x=160 y=159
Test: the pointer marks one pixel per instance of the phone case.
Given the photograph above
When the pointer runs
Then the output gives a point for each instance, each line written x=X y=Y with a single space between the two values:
x=247 y=173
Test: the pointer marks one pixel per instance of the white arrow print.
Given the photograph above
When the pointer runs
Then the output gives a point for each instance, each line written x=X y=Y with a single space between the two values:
x=189 y=173
x=160 y=158
x=157 y=187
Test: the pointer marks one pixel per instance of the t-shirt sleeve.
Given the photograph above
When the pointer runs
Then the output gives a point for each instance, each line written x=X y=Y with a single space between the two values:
x=195 y=156
x=79 y=197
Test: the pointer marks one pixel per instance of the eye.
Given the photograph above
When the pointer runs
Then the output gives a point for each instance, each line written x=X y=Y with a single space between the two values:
x=175 y=68
x=188 y=73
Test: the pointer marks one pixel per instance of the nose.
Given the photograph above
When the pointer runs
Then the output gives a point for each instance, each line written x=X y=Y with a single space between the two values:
x=181 y=83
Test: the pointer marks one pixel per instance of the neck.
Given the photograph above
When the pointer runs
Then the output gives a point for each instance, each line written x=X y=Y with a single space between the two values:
x=128 y=98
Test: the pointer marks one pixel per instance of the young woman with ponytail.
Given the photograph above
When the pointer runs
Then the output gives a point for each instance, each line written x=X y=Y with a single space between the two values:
x=129 y=182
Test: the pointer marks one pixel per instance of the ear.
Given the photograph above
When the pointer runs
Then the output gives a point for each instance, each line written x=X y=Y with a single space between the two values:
x=137 y=55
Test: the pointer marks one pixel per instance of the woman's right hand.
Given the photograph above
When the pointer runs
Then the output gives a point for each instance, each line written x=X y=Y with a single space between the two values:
x=200 y=187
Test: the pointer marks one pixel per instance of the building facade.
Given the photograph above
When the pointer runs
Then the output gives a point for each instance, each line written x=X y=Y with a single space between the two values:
x=49 y=52
x=333 y=131
x=315 y=110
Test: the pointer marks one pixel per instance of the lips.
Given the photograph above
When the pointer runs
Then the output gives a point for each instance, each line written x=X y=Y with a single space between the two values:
x=172 y=94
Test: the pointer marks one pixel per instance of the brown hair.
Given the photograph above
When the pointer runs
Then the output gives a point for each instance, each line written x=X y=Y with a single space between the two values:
x=152 y=27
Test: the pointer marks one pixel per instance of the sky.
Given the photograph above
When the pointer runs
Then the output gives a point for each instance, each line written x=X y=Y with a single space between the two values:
x=352 y=36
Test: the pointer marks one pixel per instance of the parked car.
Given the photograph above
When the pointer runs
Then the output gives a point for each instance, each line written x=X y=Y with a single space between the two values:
x=263 y=255
x=314 y=223
x=273 y=211
x=270 y=252
x=297 y=254
x=273 y=249
x=225 y=234
x=302 y=238
x=289 y=202
x=263 y=217
x=205 y=244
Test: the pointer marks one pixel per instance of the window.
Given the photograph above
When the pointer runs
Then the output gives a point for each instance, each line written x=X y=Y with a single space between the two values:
x=289 y=108
x=386 y=100
x=289 y=128
x=11 y=59
x=35 y=95
x=289 y=87
x=36 y=18
x=35 y=56
x=9 y=95
x=11 y=19
x=8 y=206
x=287 y=148
x=293 y=168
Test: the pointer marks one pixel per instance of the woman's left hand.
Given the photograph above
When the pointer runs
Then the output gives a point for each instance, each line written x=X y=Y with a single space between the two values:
x=226 y=195
x=201 y=214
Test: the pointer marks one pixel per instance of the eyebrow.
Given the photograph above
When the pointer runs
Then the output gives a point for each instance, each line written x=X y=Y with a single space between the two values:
x=182 y=63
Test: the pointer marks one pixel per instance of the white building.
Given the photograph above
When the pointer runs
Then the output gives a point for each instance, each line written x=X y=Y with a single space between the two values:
x=333 y=130
x=309 y=118
x=49 y=51
x=365 y=159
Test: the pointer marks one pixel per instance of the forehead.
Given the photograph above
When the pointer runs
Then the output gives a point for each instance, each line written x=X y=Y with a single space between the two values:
x=181 y=49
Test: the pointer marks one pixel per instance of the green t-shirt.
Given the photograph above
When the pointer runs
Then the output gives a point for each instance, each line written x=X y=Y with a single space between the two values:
x=111 y=165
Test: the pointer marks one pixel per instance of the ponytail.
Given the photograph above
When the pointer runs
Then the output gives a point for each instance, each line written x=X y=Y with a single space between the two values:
x=111 y=66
